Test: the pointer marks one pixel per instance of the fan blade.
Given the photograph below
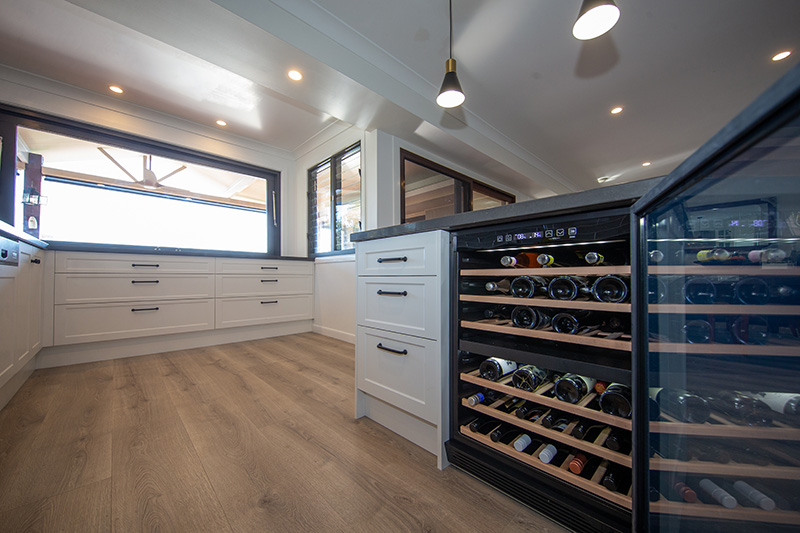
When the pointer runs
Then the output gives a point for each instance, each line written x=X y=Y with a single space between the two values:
x=182 y=167
x=109 y=156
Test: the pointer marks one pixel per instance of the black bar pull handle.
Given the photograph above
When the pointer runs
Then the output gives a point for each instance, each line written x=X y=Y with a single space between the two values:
x=270 y=302
x=269 y=268
x=392 y=350
x=135 y=281
x=392 y=293
x=153 y=265
x=392 y=259
x=145 y=309
x=269 y=281
x=36 y=261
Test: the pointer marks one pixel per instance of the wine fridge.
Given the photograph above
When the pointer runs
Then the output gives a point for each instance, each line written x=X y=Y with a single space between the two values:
x=717 y=330
x=541 y=364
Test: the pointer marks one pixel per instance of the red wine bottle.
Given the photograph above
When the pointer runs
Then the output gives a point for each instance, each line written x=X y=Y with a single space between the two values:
x=617 y=478
x=530 y=318
x=495 y=368
x=504 y=286
x=527 y=286
x=571 y=388
x=618 y=441
x=530 y=378
x=699 y=291
x=585 y=427
x=610 y=289
x=616 y=400
x=683 y=405
x=578 y=463
x=530 y=411
x=521 y=260
x=742 y=408
x=566 y=288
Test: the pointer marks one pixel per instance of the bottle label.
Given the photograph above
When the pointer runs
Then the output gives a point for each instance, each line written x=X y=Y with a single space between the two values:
x=504 y=365
x=654 y=392
x=776 y=400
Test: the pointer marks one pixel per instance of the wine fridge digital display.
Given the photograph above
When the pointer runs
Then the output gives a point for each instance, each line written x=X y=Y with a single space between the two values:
x=717 y=329
x=541 y=367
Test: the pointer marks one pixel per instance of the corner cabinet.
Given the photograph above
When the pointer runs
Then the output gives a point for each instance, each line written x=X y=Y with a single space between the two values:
x=402 y=337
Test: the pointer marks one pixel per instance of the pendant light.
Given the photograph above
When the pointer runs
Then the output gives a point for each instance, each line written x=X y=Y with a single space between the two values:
x=595 y=18
x=450 y=95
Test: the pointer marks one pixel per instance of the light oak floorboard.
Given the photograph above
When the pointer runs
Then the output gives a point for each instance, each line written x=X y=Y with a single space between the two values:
x=251 y=436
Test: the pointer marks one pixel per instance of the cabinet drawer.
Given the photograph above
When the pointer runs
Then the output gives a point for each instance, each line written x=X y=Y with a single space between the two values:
x=265 y=284
x=405 y=304
x=132 y=264
x=102 y=322
x=234 y=312
x=400 y=370
x=408 y=255
x=266 y=266
x=95 y=288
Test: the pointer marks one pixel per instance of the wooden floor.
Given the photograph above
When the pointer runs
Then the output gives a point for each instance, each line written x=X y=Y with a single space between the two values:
x=253 y=436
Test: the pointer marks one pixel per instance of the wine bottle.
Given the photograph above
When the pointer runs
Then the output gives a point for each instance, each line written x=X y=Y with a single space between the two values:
x=618 y=441
x=616 y=478
x=718 y=493
x=546 y=260
x=600 y=386
x=548 y=453
x=522 y=441
x=697 y=331
x=527 y=286
x=578 y=463
x=503 y=432
x=495 y=368
x=521 y=260
x=567 y=288
x=785 y=403
x=669 y=447
x=610 y=289
x=656 y=290
x=594 y=259
x=780 y=501
x=499 y=311
x=511 y=405
x=476 y=399
x=681 y=404
x=699 y=291
x=556 y=420
x=504 y=286
x=654 y=494
x=530 y=318
x=529 y=377
x=616 y=400
x=655 y=256
x=530 y=411
x=714 y=255
x=742 y=408
x=755 y=496
x=684 y=492
x=575 y=322
x=571 y=388
x=767 y=255
x=709 y=452
x=484 y=426
x=586 y=426
x=751 y=291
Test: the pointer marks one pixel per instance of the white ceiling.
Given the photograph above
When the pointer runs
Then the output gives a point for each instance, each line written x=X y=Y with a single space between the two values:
x=537 y=112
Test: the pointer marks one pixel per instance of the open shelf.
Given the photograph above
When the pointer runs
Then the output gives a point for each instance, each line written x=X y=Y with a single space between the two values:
x=771 y=269
x=624 y=270
x=546 y=302
x=599 y=339
x=718 y=512
x=776 y=350
x=564 y=437
x=562 y=472
x=539 y=398
x=723 y=309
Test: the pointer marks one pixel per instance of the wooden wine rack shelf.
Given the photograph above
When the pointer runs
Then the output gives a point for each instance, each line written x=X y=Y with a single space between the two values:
x=624 y=270
x=746 y=514
x=724 y=309
x=725 y=270
x=546 y=302
x=562 y=472
x=554 y=403
x=564 y=437
x=776 y=350
x=728 y=469
x=724 y=430
x=595 y=338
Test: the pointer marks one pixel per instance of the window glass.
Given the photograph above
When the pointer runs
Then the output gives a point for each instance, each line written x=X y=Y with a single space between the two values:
x=487 y=198
x=335 y=195
x=348 y=199
x=99 y=193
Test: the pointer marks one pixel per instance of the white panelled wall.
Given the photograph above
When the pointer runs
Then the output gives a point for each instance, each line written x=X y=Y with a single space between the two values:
x=335 y=297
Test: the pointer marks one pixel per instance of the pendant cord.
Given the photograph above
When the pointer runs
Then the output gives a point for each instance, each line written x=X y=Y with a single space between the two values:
x=451 y=29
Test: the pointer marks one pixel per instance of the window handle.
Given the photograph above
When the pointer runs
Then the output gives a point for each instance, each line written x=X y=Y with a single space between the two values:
x=392 y=259
x=392 y=293
x=274 y=211
x=392 y=350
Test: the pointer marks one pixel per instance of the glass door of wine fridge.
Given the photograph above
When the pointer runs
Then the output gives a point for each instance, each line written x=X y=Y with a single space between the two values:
x=717 y=312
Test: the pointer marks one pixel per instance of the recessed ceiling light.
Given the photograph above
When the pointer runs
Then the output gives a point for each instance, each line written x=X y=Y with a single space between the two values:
x=646 y=164
x=295 y=75
x=115 y=89
x=617 y=110
x=782 y=55
x=221 y=123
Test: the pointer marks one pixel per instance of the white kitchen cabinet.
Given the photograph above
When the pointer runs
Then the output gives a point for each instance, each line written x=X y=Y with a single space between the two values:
x=402 y=338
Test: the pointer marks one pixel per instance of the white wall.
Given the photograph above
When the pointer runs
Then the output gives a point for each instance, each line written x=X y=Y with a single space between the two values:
x=335 y=297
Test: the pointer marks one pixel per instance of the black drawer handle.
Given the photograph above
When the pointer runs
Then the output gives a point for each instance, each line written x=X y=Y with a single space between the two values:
x=269 y=268
x=392 y=350
x=392 y=293
x=36 y=261
x=392 y=259
x=269 y=281
x=144 y=265
x=136 y=281
x=145 y=309
x=270 y=302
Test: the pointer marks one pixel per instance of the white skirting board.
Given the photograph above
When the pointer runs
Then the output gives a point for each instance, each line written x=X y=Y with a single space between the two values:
x=345 y=336
x=8 y=390
x=102 y=351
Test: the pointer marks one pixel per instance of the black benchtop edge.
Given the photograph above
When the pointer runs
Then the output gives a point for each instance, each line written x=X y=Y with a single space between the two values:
x=10 y=232
x=65 y=246
x=603 y=197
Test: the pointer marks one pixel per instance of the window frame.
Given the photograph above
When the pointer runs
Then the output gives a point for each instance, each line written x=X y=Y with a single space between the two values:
x=464 y=184
x=335 y=162
x=12 y=117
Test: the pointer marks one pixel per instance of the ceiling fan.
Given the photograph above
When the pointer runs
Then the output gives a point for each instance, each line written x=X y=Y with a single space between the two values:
x=149 y=179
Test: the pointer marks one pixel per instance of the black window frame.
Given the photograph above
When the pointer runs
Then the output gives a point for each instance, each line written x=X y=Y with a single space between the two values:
x=335 y=162
x=465 y=186
x=12 y=117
